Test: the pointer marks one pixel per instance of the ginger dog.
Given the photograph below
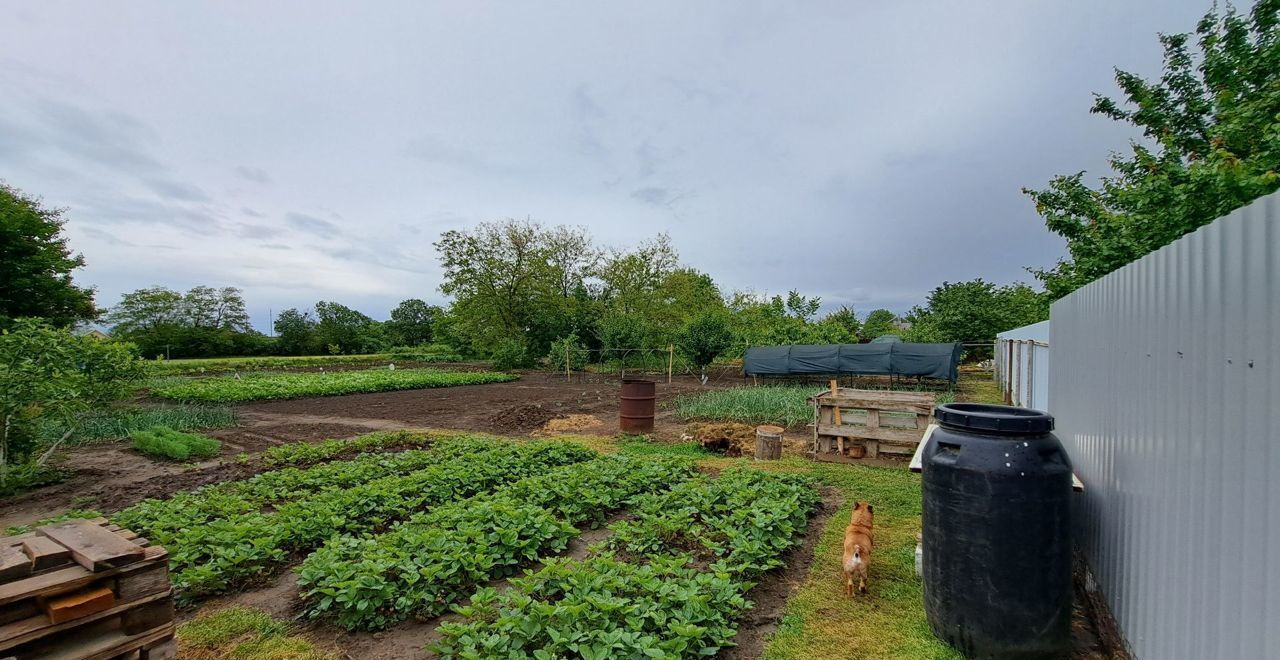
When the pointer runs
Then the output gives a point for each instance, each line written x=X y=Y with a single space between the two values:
x=857 y=547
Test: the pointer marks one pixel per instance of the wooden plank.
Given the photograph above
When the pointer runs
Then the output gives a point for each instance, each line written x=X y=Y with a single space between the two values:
x=166 y=650
x=144 y=582
x=28 y=630
x=93 y=546
x=146 y=616
x=916 y=407
x=71 y=577
x=44 y=553
x=105 y=646
x=78 y=604
x=884 y=434
x=14 y=564
x=917 y=459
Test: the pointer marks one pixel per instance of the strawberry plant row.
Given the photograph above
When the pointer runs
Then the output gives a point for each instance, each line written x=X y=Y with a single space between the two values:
x=433 y=560
x=669 y=584
x=301 y=454
x=260 y=386
x=233 y=547
x=227 y=499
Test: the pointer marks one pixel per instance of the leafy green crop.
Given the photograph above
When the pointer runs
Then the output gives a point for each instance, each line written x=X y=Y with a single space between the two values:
x=436 y=558
x=692 y=551
x=223 y=536
x=165 y=443
x=307 y=453
x=255 y=387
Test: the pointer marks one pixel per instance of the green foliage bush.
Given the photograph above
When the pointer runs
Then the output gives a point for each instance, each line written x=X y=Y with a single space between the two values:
x=511 y=354
x=255 y=387
x=50 y=376
x=308 y=453
x=704 y=338
x=166 y=443
x=27 y=476
x=568 y=349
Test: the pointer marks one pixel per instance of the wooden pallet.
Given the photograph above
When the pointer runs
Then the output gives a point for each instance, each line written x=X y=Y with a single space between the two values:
x=84 y=589
x=845 y=418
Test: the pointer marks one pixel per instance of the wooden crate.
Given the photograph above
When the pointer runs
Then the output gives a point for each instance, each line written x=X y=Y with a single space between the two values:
x=84 y=589
x=879 y=421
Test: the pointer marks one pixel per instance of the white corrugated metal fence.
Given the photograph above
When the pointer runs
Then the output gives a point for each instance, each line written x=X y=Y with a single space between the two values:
x=1166 y=390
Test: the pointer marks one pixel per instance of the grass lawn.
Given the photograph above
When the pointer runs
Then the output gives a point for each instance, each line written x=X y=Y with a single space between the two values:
x=242 y=632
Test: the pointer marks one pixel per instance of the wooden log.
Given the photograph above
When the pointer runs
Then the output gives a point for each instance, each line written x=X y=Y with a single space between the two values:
x=93 y=546
x=769 y=443
x=44 y=553
x=78 y=604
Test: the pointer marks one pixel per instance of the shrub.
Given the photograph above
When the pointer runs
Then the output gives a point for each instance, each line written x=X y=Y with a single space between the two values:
x=704 y=338
x=26 y=476
x=166 y=443
x=511 y=354
x=573 y=347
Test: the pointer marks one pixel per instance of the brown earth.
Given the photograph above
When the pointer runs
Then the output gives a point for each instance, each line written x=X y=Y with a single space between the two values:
x=109 y=477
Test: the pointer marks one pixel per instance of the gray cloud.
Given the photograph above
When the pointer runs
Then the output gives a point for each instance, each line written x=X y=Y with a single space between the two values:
x=252 y=231
x=835 y=137
x=313 y=225
x=176 y=190
x=254 y=174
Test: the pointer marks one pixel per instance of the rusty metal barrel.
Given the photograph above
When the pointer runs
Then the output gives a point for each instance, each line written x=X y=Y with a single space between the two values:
x=635 y=412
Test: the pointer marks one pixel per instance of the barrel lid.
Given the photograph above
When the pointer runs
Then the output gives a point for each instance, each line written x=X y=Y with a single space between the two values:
x=1001 y=420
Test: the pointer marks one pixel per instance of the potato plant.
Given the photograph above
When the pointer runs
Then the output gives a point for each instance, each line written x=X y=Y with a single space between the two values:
x=255 y=387
x=673 y=584
x=436 y=558
x=308 y=453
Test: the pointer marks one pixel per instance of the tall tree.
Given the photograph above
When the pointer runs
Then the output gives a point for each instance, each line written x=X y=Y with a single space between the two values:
x=879 y=322
x=411 y=321
x=977 y=310
x=146 y=309
x=297 y=332
x=36 y=264
x=1211 y=143
x=343 y=328
x=207 y=307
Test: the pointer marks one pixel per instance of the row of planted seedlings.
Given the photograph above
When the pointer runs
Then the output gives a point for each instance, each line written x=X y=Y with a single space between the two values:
x=224 y=536
x=435 y=559
x=671 y=582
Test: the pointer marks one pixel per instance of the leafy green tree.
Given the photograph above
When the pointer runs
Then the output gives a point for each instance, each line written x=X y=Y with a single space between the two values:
x=568 y=350
x=146 y=310
x=704 y=338
x=977 y=310
x=845 y=319
x=207 y=307
x=1211 y=129
x=622 y=333
x=297 y=332
x=347 y=329
x=802 y=307
x=410 y=323
x=48 y=374
x=36 y=264
x=631 y=279
x=879 y=323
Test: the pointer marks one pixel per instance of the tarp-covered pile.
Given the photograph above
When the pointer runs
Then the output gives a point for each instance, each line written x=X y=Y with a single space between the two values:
x=898 y=359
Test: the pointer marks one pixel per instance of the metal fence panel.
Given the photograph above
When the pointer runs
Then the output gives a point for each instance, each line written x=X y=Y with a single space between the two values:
x=1166 y=389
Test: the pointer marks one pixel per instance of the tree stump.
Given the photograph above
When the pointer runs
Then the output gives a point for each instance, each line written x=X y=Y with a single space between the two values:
x=769 y=443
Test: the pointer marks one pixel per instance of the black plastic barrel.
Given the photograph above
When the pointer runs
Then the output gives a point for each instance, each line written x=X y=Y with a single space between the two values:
x=997 y=533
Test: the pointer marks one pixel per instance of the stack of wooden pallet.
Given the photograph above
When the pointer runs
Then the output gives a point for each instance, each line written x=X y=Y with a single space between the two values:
x=850 y=424
x=84 y=589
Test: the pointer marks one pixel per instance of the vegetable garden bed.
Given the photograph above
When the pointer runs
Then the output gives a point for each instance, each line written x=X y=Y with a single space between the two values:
x=255 y=387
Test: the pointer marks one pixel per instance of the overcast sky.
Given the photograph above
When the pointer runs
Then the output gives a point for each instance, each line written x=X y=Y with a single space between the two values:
x=860 y=151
